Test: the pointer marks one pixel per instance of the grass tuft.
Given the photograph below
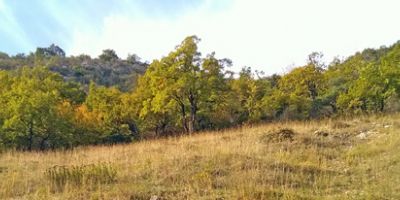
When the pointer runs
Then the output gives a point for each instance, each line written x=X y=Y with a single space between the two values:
x=93 y=174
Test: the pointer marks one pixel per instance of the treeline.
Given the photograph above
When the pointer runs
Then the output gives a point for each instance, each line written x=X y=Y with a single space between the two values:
x=185 y=92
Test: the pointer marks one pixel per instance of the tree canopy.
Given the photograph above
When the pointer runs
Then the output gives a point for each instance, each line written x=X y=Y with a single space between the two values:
x=49 y=100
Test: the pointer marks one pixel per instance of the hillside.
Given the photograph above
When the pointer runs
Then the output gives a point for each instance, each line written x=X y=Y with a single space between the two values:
x=199 y=100
x=106 y=70
x=330 y=159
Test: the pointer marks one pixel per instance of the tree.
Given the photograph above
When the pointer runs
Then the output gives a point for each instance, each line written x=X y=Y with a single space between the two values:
x=315 y=59
x=301 y=88
x=53 y=53
x=174 y=82
x=133 y=58
x=115 y=124
x=108 y=55
x=339 y=77
x=52 y=50
x=377 y=82
x=30 y=108
x=180 y=83
x=213 y=105
x=248 y=93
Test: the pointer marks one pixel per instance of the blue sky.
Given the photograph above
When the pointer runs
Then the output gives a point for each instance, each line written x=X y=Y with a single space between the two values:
x=267 y=35
x=28 y=24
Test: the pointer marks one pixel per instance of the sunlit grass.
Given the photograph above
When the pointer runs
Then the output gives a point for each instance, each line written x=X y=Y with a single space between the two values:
x=233 y=164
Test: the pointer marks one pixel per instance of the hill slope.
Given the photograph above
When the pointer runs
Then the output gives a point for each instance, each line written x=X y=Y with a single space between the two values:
x=107 y=70
x=335 y=159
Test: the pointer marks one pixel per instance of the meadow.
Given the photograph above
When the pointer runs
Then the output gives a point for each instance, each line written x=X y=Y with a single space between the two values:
x=345 y=158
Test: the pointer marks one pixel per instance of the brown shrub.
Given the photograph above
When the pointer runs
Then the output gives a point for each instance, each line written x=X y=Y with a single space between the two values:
x=280 y=135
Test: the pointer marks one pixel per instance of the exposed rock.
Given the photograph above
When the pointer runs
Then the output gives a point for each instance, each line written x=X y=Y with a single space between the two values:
x=362 y=136
x=155 y=197
x=365 y=134
x=387 y=126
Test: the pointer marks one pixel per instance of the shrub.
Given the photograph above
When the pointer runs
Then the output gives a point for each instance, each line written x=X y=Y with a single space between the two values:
x=280 y=135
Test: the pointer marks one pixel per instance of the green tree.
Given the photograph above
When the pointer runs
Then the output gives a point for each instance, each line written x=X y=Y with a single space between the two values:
x=248 y=94
x=182 y=85
x=30 y=110
x=377 y=82
x=175 y=81
x=108 y=55
x=214 y=108
x=111 y=106
x=299 y=92
x=339 y=77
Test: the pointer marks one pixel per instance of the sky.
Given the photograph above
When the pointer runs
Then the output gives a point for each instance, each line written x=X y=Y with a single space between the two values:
x=267 y=35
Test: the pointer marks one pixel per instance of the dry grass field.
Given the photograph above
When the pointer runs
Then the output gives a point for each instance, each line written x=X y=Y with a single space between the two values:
x=329 y=159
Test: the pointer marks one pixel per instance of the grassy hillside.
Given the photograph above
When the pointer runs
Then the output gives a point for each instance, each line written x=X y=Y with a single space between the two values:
x=332 y=159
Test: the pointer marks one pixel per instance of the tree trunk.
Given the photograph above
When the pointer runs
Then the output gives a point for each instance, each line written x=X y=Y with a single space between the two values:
x=134 y=129
x=381 y=105
x=333 y=106
x=30 y=132
x=43 y=142
x=193 y=112
x=183 y=113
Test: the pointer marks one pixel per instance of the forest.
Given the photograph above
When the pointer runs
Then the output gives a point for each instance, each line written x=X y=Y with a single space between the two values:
x=51 y=101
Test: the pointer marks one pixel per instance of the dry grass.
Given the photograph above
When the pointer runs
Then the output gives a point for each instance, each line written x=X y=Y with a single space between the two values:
x=329 y=159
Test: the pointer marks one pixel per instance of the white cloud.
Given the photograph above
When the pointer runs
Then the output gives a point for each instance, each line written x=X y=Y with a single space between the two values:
x=265 y=34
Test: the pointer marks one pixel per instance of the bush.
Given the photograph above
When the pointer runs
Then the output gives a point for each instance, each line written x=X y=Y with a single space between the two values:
x=280 y=135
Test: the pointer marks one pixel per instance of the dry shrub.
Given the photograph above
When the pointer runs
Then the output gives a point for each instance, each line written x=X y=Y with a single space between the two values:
x=280 y=135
